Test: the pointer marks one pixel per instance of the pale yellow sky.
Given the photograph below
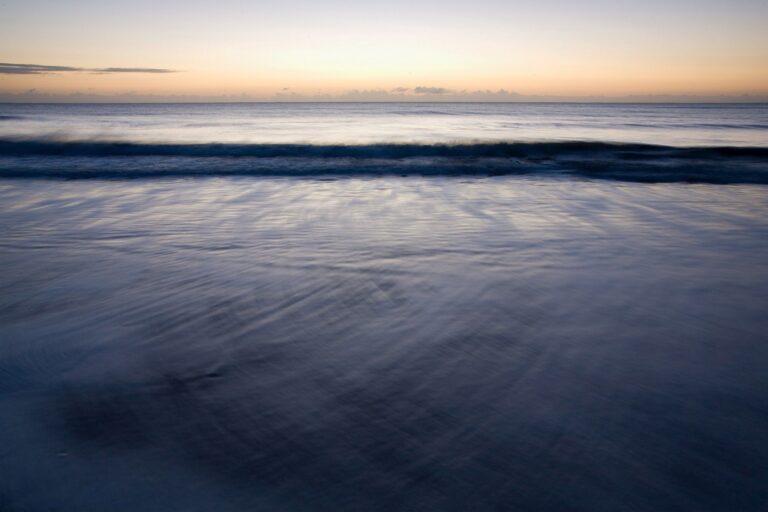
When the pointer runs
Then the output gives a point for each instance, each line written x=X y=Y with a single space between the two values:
x=262 y=49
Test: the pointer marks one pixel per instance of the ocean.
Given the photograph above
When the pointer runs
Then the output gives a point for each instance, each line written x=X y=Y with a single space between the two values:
x=384 y=307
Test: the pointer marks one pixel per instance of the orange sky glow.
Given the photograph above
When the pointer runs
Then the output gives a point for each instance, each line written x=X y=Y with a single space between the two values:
x=486 y=49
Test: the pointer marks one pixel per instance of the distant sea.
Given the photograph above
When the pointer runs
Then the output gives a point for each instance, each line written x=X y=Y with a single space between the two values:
x=641 y=142
x=384 y=307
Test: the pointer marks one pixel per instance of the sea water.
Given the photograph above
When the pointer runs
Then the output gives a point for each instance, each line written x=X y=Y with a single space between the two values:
x=486 y=307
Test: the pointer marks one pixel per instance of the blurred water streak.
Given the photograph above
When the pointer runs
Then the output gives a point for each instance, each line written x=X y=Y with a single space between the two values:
x=383 y=344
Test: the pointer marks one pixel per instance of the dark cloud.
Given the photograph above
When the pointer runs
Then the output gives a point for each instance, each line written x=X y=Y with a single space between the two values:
x=431 y=90
x=7 y=68
x=135 y=70
x=32 y=69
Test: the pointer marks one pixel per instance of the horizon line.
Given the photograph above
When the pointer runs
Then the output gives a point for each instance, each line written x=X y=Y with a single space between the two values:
x=586 y=100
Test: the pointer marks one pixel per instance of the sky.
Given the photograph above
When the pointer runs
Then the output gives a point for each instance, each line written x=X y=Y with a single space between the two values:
x=366 y=50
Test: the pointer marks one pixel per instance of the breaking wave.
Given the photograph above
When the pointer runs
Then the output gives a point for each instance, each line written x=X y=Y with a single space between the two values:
x=630 y=162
